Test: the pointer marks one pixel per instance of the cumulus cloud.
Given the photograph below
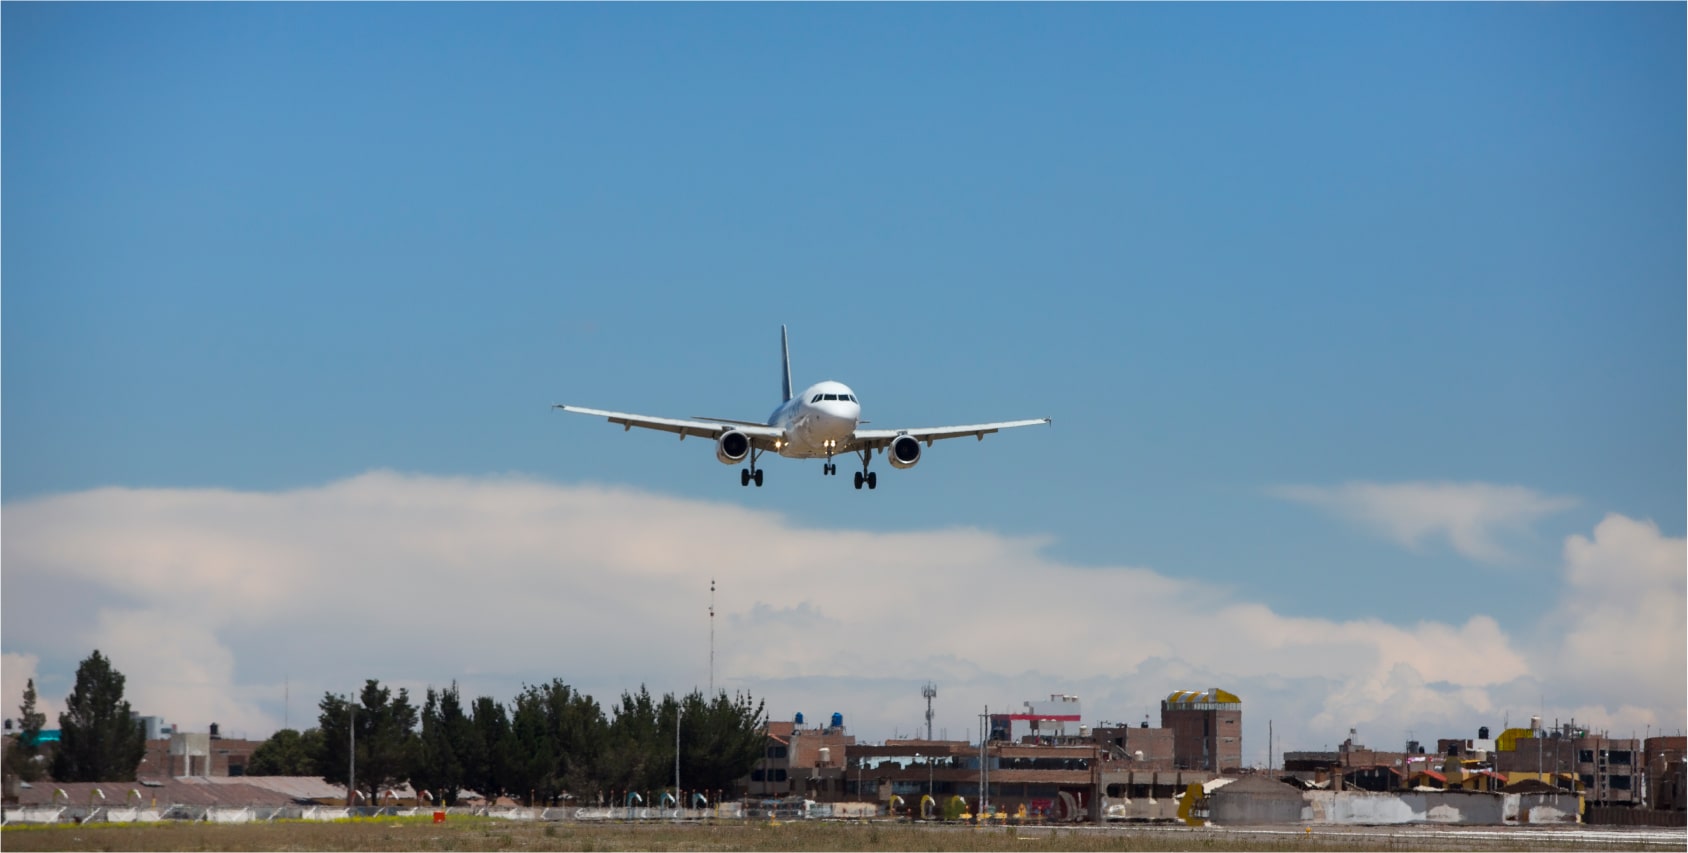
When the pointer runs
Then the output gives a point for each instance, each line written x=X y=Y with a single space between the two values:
x=218 y=604
x=1468 y=515
x=1620 y=626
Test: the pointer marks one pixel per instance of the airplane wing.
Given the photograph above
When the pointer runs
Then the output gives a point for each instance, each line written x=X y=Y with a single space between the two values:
x=763 y=435
x=880 y=438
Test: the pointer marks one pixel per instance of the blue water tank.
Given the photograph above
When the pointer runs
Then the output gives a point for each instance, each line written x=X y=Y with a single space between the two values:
x=837 y=721
x=800 y=718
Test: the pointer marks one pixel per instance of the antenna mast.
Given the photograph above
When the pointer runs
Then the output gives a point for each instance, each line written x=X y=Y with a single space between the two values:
x=712 y=639
x=929 y=691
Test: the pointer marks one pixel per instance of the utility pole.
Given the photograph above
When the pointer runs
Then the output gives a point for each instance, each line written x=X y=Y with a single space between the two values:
x=677 y=804
x=984 y=729
x=352 y=752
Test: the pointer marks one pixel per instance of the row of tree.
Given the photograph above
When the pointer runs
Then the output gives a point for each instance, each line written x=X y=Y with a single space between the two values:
x=551 y=744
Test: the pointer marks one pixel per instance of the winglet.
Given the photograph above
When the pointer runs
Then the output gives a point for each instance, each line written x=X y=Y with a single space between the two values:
x=785 y=356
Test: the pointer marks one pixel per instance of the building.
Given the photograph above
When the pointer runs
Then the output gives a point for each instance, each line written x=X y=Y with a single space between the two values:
x=1054 y=721
x=202 y=754
x=799 y=761
x=1607 y=770
x=1207 y=729
x=1664 y=767
x=1140 y=746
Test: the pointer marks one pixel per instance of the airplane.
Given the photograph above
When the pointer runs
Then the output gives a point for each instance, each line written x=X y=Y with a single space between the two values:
x=822 y=422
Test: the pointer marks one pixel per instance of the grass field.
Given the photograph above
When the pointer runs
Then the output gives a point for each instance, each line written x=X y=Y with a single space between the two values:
x=492 y=834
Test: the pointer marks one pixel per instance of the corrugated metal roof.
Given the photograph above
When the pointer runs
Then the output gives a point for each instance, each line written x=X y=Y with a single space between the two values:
x=194 y=791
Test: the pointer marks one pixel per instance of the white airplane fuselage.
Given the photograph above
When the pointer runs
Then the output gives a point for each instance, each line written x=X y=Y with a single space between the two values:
x=817 y=422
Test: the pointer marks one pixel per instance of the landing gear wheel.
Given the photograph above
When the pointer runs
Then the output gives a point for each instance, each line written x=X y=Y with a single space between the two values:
x=757 y=477
x=744 y=476
x=873 y=479
x=859 y=479
x=829 y=469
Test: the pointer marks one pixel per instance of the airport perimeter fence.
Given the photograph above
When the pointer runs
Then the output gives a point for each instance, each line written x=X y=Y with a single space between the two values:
x=756 y=811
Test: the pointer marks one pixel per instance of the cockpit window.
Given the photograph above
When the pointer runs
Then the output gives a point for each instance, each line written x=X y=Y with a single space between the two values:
x=816 y=399
x=850 y=397
x=832 y=396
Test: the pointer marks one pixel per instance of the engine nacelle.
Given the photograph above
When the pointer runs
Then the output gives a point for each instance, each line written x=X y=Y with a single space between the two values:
x=732 y=447
x=904 y=451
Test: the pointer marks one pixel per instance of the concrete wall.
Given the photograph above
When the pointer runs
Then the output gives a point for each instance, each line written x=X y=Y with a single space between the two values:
x=1254 y=810
x=1543 y=808
x=1364 y=807
x=1139 y=808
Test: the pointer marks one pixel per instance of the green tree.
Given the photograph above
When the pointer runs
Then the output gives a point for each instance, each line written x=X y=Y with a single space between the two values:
x=387 y=746
x=448 y=738
x=21 y=758
x=287 y=753
x=633 y=758
x=559 y=735
x=489 y=750
x=99 y=738
x=720 y=741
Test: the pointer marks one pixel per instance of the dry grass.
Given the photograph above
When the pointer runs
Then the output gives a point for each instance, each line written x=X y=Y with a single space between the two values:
x=491 y=834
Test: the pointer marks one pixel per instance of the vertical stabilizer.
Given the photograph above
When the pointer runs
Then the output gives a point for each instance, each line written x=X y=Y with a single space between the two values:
x=785 y=356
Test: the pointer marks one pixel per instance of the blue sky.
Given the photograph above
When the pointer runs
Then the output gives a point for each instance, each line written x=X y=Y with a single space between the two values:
x=1262 y=264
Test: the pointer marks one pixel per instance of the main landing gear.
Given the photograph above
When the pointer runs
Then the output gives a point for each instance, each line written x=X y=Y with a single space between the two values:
x=746 y=475
x=865 y=476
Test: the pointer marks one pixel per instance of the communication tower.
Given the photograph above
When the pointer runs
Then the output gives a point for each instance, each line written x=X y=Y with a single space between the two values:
x=930 y=691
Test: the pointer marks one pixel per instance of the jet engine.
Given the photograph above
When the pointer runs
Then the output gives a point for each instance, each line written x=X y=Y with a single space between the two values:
x=732 y=447
x=904 y=451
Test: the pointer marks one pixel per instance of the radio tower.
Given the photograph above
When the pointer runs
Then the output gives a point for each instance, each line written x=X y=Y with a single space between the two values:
x=929 y=691
x=712 y=639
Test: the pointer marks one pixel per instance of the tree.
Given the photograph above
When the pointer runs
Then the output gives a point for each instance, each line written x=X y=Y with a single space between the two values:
x=287 y=753
x=720 y=741
x=559 y=735
x=22 y=759
x=448 y=737
x=489 y=750
x=387 y=747
x=99 y=738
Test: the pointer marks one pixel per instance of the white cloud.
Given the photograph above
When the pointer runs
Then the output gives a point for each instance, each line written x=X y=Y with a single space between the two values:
x=1468 y=515
x=211 y=601
x=1620 y=626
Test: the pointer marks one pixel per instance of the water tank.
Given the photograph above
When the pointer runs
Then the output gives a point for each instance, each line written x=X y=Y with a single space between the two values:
x=837 y=720
x=1482 y=732
x=214 y=731
x=826 y=756
x=800 y=718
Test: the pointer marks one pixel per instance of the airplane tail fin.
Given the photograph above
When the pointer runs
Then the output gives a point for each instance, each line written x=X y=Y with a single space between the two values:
x=785 y=356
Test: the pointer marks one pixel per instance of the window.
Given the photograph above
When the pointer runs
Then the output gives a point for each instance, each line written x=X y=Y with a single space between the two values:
x=1618 y=756
x=776 y=752
x=1618 y=783
x=1585 y=756
x=832 y=396
x=755 y=776
x=815 y=399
